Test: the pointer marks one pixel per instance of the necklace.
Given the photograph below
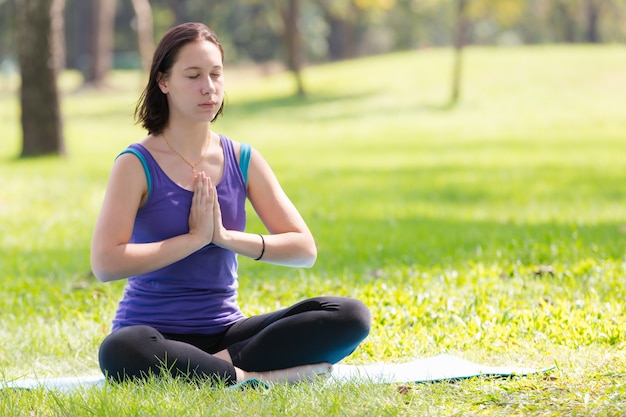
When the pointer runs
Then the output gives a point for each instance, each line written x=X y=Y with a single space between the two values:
x=191 y=164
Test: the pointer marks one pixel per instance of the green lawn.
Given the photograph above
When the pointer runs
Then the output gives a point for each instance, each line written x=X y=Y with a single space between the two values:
x=494 y=230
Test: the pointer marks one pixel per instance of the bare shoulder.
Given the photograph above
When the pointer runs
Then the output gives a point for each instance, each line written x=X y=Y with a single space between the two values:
x=128 y=176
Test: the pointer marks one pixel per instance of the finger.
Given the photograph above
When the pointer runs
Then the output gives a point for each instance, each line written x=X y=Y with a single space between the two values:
x=217 y=210
x=216 y=204
x=196 y=189
x=210 y=191
x=206 y=186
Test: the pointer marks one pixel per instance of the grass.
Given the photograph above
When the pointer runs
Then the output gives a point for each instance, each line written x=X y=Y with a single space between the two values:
x=494 y=230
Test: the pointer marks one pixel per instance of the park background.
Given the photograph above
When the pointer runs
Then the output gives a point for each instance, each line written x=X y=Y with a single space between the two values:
x=459 y=162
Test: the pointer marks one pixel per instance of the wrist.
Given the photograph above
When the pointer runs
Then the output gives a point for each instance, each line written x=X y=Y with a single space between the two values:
x=198 y=240
x=258 y=258
x=222 y=238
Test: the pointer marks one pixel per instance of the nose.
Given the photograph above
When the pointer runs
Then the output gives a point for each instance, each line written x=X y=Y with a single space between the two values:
x=208 y=87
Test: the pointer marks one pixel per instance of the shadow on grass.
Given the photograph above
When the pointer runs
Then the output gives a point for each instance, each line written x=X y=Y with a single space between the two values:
x=347 y=102
x=396 y=251
x=454 y=215
x=366 y=245
x=368 y=250
x=290 y=101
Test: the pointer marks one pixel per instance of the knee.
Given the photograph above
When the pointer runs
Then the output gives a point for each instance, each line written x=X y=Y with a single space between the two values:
x=122 y=353
x=355 y=322
x=359 y=317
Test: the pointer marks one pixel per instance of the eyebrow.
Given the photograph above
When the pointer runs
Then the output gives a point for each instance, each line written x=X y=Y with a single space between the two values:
x=199 y=68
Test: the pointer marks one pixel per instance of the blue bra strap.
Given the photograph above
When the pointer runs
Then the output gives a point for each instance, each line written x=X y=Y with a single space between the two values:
x=244 y=160
x=144 y=163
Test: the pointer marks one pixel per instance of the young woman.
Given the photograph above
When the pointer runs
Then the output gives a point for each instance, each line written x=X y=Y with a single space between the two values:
x=173 y=222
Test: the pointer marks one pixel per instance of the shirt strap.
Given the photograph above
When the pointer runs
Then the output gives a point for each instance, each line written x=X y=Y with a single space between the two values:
x=244 y=160
x=144 y=163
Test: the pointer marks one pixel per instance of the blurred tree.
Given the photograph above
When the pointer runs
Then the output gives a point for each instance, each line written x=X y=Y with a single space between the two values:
x=179 y=7
x=39 y=98
x=7 y=26
x=351 y=21
x=342 y=17
x=505 y=12
x=101 y=45
x=595 y=10
x=77 y=34
x=592 y=17
x=460 y=39
x=258 y=39
x=289 y=11
x=58 y=34
x=564 y=19
x=331 y=29
x=583 y=20
x=145 y=32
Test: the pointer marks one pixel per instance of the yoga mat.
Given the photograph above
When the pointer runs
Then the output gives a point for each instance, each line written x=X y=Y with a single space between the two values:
x=437 y=368
x=65 y=384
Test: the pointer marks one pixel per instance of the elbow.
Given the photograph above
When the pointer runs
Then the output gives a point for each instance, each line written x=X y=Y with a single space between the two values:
x=309 y=263
x=306 y=262
x=311 y=256
x=102 y=275
x=297 y=254
x=301 y=256
x=101 y=271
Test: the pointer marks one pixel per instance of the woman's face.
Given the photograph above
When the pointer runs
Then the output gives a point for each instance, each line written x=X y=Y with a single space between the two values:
x=195 y=83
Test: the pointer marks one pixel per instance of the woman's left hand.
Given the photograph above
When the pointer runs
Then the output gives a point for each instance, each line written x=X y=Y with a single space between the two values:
x=218 y=227
x=200 y=213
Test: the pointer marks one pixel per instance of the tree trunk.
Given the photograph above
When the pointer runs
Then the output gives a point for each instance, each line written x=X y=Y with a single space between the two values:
x=460 y=39
x=103 y=18
x=341 y=36
x=335 y=37
x=58 y=35
x=290 y=14
x=145 y=32
x=593 y=16
x=565 y=22
x=39 y=98
x=78 y=15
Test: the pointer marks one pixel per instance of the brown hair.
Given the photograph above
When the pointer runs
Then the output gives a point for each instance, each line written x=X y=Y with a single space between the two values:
x=152 y=110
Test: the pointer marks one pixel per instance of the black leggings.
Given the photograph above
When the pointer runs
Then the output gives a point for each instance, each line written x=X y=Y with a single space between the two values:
x=322 y=329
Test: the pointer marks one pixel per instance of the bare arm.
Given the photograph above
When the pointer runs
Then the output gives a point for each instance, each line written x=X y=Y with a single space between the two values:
x=112 y=255
x=289 y=242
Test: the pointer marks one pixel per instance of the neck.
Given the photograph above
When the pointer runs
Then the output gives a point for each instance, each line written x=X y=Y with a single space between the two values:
x=188 y=139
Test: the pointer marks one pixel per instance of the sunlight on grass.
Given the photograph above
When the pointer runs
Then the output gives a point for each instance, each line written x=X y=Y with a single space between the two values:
x=493 y=230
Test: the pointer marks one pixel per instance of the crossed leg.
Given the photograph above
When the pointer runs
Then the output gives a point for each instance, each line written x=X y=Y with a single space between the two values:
x=291 y=345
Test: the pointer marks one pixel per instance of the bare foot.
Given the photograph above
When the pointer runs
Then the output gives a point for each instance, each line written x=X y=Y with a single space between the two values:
x=289 y=375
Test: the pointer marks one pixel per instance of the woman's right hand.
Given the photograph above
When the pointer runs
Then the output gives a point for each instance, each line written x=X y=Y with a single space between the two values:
x=201 y=213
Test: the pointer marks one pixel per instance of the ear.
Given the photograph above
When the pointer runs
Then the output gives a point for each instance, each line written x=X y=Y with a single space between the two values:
x=162 y=83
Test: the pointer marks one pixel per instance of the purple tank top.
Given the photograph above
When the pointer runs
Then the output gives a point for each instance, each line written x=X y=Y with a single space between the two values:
x=198 y=294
